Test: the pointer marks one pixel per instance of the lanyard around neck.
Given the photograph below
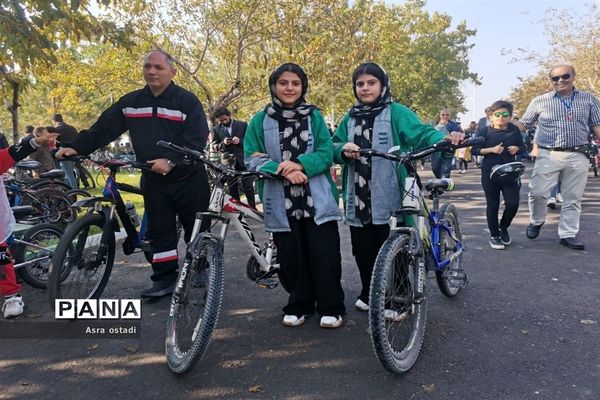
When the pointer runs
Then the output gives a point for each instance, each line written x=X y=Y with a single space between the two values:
x=567 y=104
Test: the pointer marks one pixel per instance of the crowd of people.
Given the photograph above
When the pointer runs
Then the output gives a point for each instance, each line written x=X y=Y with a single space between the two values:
x=290 y=137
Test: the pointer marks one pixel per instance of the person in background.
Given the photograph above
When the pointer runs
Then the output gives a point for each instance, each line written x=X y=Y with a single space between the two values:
x=67 y=135
x=3 y=141
x=228 y=135
x=10 y=290
x=440 y=164
x=503 y=141
x=482 y=125
x=564 y=119
x=290 y=138
x=42 y=153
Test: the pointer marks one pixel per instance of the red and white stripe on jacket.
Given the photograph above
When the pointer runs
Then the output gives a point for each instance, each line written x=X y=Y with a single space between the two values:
x=161 y=112
x=164 y=256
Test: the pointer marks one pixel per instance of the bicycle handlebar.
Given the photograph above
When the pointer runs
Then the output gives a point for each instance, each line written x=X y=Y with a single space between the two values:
x=423 y=152
x=200 y=156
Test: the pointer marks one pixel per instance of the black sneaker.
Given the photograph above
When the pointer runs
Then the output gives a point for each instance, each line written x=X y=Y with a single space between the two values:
x=505 y=237
x=533 y=231
x=496 y=243
x=158 y=289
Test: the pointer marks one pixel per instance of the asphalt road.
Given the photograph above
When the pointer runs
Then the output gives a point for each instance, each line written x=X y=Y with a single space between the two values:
x=526 y=327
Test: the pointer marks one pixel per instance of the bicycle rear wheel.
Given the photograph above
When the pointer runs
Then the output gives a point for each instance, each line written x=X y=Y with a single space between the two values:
x=41 y=183
x=51 y=205
x=35 y=251
x=78 y=194
x=82 y=261
x=396 y=318
x=449 y=217
x=195 y=305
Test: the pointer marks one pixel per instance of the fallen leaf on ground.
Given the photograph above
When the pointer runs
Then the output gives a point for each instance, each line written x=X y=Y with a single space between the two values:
x=587 y=322
x=255 y=389
x=429 y=388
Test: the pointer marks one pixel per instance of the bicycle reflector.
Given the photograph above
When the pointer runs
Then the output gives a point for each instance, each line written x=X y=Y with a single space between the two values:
x=507 y=173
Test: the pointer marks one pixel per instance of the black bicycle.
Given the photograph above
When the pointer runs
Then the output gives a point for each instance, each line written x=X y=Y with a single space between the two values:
x=86 y=251
x=33 y=247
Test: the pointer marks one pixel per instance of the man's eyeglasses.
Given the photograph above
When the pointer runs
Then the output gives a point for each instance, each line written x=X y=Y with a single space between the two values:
x=445 y=115
x=504 y=114
x=564 y=77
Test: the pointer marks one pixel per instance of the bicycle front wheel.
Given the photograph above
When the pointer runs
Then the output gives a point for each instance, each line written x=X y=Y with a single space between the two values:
x=396 y=318
x=447 y=245
x=83 y=260
x=33 y=253
x=195 y=305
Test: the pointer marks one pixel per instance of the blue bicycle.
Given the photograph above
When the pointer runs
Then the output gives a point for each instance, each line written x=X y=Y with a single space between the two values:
x=433 y=243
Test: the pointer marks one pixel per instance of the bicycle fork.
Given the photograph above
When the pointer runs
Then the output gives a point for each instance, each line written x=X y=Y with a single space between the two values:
x=416 y=248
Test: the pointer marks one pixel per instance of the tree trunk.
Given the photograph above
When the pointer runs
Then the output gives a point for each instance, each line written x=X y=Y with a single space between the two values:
x=14 y=111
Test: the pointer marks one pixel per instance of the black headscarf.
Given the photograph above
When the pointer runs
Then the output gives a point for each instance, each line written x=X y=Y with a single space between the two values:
x=298 y=111
x=366 y=111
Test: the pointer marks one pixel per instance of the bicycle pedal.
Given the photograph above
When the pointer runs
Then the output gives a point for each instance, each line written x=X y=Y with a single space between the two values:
x=267 y=283
x=458 y=278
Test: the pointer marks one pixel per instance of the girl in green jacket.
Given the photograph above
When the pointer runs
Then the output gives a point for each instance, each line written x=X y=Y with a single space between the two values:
x=373 y=187
x=290 y=138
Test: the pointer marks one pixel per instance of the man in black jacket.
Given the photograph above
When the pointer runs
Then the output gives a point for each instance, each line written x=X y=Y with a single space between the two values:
x=229 y=137
x=159 y=111
x=67 y=135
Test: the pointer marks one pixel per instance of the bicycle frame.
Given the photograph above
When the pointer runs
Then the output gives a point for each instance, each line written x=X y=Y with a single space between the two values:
x=111 y=194
x=226 y=209
x=48 y=256
x=424 y=240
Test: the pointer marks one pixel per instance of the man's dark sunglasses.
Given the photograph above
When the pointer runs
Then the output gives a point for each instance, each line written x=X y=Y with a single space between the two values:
x=565 y=77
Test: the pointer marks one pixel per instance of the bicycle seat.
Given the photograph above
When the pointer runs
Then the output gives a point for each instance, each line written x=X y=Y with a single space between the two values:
x=21 y=211
x=444 y=184
x=28 y=164
x=53 y=174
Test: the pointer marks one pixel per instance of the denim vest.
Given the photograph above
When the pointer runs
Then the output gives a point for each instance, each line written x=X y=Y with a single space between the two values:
x=324 y=203
x=385 y=188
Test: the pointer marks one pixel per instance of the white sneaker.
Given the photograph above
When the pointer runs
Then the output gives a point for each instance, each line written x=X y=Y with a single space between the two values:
x=293 y=320
x=395 y=316
x=331 y=322
x=551 y=203
x=13 y=306
x=559 y=198
x=361 y=305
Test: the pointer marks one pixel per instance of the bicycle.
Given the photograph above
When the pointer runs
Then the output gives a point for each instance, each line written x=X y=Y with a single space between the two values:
x=398 y=298
x=86 y=251
x=51 y=179
x=49 y=204
x=32 y=248
x=196 y=300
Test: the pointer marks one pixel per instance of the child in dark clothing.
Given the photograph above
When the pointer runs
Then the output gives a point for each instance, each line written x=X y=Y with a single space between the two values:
x=9 y=288
x=503 y=141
